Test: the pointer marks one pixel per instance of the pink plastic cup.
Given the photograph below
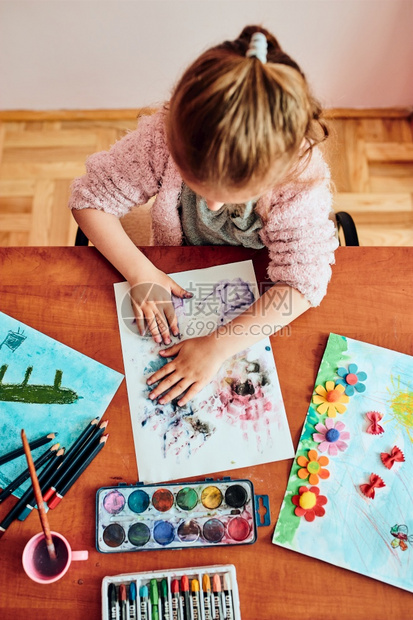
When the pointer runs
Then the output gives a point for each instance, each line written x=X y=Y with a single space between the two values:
x=37 y=563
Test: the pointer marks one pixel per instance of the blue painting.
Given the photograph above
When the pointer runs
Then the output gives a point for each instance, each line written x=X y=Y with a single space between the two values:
x=45 y=387
x=349 y=499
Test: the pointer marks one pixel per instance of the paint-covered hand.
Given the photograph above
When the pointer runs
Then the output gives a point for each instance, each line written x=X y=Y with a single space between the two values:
x=152 y=305
x=195 y=362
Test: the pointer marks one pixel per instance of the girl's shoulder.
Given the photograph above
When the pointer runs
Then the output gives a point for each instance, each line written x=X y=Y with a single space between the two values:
x=307 y=190
x=151 y=127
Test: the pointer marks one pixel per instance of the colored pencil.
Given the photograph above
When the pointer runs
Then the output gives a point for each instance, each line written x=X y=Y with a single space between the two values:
x=38 y=495
x=33 y=445
x=69 y=482
x=90 y=428
x=44 y=481
x=71 y=452
x=26 y=473
x=28 y=496
x=71 y=464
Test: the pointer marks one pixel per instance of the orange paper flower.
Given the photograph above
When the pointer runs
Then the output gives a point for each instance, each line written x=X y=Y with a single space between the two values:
x=312 y=467
x=330 y=399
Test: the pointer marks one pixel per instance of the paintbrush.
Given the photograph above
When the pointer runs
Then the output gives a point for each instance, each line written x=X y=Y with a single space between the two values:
x=39 y=499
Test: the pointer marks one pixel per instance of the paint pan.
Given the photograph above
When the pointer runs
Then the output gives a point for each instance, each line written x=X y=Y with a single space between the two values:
x=178 y=516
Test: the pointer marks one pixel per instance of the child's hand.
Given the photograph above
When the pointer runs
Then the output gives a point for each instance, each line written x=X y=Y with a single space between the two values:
x=197 y=361
x=153 y=307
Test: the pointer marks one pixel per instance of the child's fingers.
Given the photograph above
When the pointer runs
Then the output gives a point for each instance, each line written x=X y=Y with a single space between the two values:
x=176 y=390
x=191 y=393
x=165 y=384
x=179 y=291
x=171 y=319
x=152 y=322
x=160 y=374
x=171 y=351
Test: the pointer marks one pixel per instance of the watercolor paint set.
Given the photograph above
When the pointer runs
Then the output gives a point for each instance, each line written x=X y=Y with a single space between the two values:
x=202 y=593
x=210 y=513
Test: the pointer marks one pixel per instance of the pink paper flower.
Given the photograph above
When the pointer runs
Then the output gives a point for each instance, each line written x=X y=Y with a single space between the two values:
x=331 y=436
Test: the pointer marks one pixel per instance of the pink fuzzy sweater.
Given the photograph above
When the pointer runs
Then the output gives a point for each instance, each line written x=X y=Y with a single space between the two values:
x=297 y=231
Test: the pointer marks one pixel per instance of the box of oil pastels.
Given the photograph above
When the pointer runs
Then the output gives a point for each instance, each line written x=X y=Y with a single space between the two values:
x=178 y=515
x=199 y=593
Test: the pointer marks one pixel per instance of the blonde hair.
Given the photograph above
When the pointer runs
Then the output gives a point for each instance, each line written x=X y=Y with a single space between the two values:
x=234 y=121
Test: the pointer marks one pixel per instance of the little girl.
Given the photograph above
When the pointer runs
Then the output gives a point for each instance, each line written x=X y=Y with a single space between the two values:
x=232 y=159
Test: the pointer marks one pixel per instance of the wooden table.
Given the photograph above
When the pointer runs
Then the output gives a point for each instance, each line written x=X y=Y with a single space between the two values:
x=67 y=293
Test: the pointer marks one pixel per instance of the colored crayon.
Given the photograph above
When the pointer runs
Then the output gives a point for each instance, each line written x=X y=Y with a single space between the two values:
x=196 y=603
x=165 y=600
x=75 y=474
x=218 y=613
x=176 y=602
x=26 y=473
x=186 y=599
x=113 y=602
x=228 y=601
x=206 y=587
x=44 y=481
x=5 y=458
x=71 y=464
x=132 y=601
x=143 y=595
x=122 y=601
x=28 y=496
x=154 y=599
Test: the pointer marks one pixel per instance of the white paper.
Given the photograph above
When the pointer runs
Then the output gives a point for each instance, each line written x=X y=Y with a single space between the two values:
x=225 y=426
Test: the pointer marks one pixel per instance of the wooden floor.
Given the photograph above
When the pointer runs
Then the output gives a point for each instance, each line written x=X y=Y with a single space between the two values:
x=370 y=153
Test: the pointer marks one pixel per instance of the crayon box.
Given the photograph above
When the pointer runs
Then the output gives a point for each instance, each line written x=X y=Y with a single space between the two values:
x=178 y=515
x=198 y=593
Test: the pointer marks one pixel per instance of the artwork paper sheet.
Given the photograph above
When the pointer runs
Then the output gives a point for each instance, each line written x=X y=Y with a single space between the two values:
x=370 y=535
x=62 y=393
x=237 y=420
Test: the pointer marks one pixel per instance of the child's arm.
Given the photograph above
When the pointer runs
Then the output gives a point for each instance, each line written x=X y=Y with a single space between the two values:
x=150 y=288
x=198 y=359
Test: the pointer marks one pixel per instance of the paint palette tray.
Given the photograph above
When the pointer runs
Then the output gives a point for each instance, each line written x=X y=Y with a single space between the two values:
x=178 y=516
x=159 y=593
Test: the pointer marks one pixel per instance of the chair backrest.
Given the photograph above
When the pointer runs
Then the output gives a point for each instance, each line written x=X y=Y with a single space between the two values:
x=346 y=223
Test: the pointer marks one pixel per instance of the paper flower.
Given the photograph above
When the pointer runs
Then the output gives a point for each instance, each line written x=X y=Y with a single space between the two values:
x=309 y=503
x=369 y=489
x=312 y=468
x=351 y=379
x=374 y=428
x=330 y=399
x=331 y=436
x=395 y=456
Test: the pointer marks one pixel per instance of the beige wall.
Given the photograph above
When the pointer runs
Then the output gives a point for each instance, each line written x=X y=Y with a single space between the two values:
x=128 y=53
